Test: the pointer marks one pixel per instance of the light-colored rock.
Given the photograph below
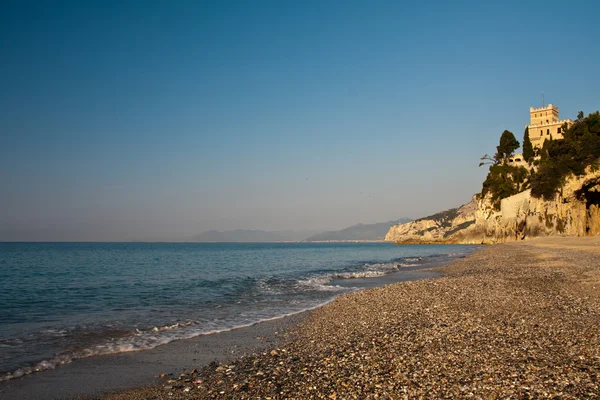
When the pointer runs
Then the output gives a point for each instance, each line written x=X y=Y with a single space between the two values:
x=575 y=211
x=437 y=228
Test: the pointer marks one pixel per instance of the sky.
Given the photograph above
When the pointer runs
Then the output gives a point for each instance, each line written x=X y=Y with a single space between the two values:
x=158 y=120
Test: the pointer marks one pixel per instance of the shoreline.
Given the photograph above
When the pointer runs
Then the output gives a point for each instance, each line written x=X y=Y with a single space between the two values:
x=514 y=320
x=109 y=373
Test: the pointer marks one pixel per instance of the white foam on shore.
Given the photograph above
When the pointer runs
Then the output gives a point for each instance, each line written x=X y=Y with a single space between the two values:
x=318 y=283
x=357 y=275
x=323 y=282
x=147 y=339
x=142 y=340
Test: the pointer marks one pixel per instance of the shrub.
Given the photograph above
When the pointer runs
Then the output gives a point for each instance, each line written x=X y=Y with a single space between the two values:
x=579 y=149
x=503 y=181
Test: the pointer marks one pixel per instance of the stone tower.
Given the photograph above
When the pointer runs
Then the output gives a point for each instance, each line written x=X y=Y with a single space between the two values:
x=544 y=124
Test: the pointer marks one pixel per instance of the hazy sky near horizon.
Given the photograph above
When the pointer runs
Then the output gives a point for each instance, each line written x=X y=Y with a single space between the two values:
x=131 y=120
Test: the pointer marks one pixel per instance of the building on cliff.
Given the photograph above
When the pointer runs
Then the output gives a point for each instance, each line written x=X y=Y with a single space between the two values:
x=544 y=124
x=518 y=160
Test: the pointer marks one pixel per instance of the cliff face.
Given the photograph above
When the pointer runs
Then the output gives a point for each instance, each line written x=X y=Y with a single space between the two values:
x=573 y=212
x=437 y=228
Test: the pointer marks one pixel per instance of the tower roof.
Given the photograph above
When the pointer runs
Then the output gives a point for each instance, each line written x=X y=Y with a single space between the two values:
x=546 y=108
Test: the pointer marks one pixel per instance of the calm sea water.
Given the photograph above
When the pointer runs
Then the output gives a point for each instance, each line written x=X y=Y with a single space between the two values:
x=64 y=301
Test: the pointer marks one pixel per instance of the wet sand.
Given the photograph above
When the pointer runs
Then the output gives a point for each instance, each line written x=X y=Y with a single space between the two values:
x=91 y=377
x=518 y=320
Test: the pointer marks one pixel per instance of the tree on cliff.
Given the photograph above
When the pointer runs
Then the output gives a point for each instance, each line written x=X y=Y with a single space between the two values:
x=503 y=179
x=579 y=149
x=527 y=146
x=508 y=144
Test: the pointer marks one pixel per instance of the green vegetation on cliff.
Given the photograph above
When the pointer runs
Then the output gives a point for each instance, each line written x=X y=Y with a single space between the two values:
x=443 y=218
x=579 y=149
x=503 y=179
x=506 y=148
x=558 y=159
x=528 y=152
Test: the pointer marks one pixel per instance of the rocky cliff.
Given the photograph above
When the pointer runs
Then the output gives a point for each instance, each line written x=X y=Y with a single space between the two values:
x=437 y=228
x=575 y=211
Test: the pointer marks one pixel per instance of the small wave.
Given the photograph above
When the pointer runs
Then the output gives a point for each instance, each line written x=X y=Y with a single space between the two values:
x=131 y=341
x=318 y=283
x=412 y=259
x=144 y=340
x=40 y=366
x=170 y=327
x=321 y=282
x=368 y=270
x=373 y=270
x=383 y=267
x=357 y=275
x=54 y=332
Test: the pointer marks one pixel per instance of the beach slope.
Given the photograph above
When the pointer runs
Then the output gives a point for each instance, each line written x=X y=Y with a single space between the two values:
x=515 y=320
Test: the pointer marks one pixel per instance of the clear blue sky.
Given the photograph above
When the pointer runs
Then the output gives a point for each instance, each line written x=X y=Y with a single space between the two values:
x=147 y=120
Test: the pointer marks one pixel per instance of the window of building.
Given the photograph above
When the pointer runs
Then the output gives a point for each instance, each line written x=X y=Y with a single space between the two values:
x=541 y=132
x=558 y=130
x=547 y=131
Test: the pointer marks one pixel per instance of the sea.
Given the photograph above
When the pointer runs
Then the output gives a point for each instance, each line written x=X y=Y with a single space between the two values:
x=60 y=302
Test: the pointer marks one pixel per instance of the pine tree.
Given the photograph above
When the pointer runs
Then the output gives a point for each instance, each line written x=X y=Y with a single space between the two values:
x=508 y=144
x=527 y=146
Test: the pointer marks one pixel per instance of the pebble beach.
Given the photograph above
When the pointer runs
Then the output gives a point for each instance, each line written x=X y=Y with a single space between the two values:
x=517 y=320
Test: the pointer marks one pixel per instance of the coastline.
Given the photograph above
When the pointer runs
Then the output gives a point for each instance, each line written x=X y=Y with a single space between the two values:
x=119 y=371
x=109 y=373
x=511 y=320
x=514 y=320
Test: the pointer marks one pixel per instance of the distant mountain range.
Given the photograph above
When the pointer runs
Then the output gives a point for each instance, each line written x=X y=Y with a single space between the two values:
x=359 y=232
x=354 y=232
x=245 y=235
